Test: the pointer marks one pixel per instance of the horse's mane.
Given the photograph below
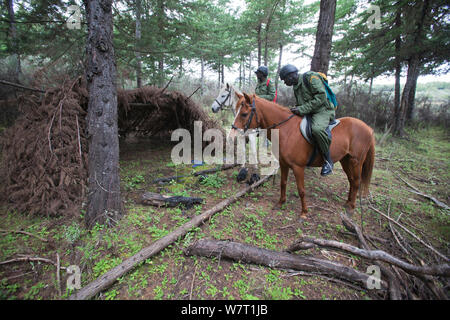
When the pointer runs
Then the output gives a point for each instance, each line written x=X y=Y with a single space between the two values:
x=273 y=104
x=233 y=88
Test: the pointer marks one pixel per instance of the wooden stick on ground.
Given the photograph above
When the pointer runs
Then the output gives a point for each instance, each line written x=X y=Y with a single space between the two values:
x=29 y=258
x=110 y=277
x=24 y=232
x=416 y=191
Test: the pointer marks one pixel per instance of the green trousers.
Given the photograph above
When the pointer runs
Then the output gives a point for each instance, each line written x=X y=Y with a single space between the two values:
x=319 y=123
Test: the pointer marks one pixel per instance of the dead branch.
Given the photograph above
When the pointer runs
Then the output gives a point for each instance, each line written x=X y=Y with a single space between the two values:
x=23 y=232
x=394 y=286
x=28 y=259
x=414 y=190
x=410 y=233
x=20 y=86
x=110 y=277
x=435 y=270
x=274 y=259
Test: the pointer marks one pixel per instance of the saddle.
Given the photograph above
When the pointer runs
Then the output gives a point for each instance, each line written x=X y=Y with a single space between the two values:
x=305 y=129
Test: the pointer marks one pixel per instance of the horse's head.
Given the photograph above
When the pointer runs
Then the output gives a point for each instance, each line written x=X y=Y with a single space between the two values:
x=246 y=116
x=224 y=99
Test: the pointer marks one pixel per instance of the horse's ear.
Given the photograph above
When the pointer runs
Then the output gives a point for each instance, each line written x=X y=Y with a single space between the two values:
x=247 y=98
x=238 y=95
x=228 y=86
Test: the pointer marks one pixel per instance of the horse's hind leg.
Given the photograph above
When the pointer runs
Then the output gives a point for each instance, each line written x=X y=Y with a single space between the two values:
x=352 y=168
x=299 y=173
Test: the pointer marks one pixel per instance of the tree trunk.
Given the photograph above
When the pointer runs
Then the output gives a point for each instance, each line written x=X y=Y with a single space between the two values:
x=104 y=200
x=398 y=70
x=266 y=35
x=279 y=66
x=409 y=90
x=258 y=30
x=240 y=75
x=408 y=93
x=411 y=100
x=250 y=71
x=202 y=76
x=322 y=50
x=243 y=73
x=138 y=39
x=223 y=73
x=161 y=17
x=218 y=73
x=13 y=36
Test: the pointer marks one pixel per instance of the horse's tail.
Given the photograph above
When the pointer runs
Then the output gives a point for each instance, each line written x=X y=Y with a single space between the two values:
x=367 y=167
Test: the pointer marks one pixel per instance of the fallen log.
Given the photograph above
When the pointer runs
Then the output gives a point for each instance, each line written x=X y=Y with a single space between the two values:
x=280 y=260
x=110 y=277
x=159 y=200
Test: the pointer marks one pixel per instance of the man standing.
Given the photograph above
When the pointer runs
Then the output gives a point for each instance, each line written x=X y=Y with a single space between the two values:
x=265 y=88
x=312 y=99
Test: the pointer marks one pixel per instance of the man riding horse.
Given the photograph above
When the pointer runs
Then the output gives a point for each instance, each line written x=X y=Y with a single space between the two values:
x=265 y=88
x=312 y=99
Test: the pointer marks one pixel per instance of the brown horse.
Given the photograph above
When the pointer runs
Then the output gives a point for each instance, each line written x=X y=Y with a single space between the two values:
x=353 y=144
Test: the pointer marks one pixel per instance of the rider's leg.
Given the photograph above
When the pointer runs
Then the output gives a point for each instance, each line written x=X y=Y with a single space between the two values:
x=320 y=122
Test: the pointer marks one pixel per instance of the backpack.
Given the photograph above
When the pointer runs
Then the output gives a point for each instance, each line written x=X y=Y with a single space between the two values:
x=276 y=91
x=330 y=94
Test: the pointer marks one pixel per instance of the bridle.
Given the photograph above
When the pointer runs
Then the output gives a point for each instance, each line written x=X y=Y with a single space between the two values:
x=222 y=104
x=254 y=113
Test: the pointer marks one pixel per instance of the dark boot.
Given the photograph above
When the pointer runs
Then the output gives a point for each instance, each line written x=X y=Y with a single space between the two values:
x=327 y=167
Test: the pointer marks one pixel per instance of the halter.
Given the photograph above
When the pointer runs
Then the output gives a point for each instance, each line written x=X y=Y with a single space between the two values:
x=222 y=104
x=250 y=118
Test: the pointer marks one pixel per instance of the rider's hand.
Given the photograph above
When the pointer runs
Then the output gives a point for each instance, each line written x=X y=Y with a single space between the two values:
x=295 y=111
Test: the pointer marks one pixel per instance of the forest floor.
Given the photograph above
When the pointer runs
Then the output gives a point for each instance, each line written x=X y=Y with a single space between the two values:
x=423 y=159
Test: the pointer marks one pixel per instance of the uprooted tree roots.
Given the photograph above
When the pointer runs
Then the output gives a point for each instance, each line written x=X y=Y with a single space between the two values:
x=45 y=154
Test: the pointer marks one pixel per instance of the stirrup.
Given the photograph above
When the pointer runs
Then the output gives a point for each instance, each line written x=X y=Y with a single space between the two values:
x=327 y=168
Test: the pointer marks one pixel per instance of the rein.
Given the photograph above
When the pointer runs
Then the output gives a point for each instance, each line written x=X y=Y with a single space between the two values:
x=253 y=113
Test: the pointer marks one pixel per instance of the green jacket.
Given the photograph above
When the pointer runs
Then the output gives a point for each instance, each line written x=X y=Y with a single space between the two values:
x=265 y=91
x=313 y=101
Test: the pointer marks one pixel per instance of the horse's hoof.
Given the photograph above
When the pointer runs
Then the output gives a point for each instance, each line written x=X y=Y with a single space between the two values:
x=349 y=211
x=277 y=206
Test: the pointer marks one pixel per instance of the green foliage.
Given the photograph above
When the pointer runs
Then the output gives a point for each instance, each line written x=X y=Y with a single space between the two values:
x=72 y=232
x=213 y=180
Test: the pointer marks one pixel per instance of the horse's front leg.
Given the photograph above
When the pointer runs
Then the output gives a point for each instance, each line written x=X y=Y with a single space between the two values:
x=299 y=173
x=283 y=183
